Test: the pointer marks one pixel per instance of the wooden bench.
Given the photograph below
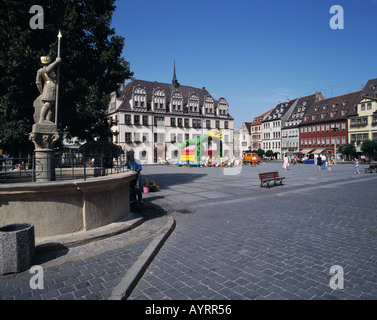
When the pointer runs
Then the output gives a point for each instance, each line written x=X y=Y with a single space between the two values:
x=267 y=177
x=371 y=168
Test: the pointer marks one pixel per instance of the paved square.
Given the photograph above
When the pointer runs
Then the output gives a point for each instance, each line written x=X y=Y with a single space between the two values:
x=235 y=240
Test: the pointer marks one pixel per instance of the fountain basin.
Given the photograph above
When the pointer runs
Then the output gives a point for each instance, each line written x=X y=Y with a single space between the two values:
x=58 y=208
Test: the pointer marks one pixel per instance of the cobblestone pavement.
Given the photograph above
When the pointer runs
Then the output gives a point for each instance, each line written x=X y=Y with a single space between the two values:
x=235 y=240
x=90 y=271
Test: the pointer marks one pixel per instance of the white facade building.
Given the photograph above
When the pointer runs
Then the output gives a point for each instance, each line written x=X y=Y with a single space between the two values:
x=272 y=127
x=290 y=131
x=152 y=118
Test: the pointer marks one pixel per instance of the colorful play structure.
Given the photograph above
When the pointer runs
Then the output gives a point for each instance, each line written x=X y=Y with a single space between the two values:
x=192 y=151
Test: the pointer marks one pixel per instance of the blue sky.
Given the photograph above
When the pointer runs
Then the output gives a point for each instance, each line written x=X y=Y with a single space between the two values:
x=253 y=53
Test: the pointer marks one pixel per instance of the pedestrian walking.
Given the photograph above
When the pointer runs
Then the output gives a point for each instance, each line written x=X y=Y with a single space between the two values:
x=323 y=157
x=319 y=162
x=285 y=162
x=254 y=161
x=357 y=169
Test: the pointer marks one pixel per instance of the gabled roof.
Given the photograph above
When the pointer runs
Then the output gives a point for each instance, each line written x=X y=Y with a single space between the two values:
x=279 y=111
x=258 y=120
x=248 y=126
x=169 y=89
x=370 y=89
x=331 y=109
x=302 y=107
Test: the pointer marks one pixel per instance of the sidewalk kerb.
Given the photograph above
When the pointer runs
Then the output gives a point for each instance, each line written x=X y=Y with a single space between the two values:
x=124 y=289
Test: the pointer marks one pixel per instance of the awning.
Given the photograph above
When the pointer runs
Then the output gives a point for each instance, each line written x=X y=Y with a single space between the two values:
x=306 y=151
x=319 y=150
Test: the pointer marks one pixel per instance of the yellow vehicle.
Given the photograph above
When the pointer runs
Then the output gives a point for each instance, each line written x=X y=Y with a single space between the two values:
x=251 y=157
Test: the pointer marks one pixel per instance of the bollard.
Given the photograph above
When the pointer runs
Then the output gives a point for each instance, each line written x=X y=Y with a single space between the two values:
x=17 y=248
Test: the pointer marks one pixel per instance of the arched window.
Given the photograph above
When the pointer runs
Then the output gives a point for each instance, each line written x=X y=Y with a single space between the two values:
x=143 y=155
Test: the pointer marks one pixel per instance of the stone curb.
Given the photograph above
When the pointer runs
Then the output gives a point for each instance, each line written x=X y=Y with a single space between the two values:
x=80 y=238
x=124 y=289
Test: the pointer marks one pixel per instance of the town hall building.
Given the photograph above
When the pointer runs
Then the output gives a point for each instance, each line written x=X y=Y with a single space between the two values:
x=153 y=118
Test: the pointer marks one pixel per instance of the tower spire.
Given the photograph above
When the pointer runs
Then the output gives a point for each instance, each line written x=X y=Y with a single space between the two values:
x=175 y=80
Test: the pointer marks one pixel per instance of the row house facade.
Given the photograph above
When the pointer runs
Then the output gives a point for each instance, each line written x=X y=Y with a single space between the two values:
x=249 y=137
x=272 y=126
x=245 y=137
x=256 y=132
x=325 y=124
x=290 y=130
x=362 y=122
x=152 y=118
x=312 y=124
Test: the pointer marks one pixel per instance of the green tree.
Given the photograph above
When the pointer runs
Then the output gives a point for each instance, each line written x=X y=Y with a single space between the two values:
x=92 y=67
x=369 y=148
x=260 y=153
x=269 y=153
x=348 y=150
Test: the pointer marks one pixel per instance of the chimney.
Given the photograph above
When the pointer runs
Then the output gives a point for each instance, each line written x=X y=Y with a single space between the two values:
x=362 y=87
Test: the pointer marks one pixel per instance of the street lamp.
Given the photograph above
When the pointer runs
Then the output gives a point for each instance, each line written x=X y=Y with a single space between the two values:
x=335 y=129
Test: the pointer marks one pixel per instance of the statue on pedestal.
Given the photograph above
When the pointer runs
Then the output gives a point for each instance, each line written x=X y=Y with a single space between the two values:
x=45 y=135
x=46 y=84
x=45 y=130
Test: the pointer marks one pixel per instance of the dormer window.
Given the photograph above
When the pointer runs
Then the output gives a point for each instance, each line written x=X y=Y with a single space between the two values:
x=177 y=100
x=193 y=103
x=223 y=105
x=209 y=104
x=139 y=97
x=159 y=99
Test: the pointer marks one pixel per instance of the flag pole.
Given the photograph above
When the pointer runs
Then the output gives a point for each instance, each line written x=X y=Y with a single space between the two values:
x=57 y=82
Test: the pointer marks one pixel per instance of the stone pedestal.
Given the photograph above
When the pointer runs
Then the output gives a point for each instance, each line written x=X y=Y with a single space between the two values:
x=44 y=165
x=44 y=136
x=17 y=249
